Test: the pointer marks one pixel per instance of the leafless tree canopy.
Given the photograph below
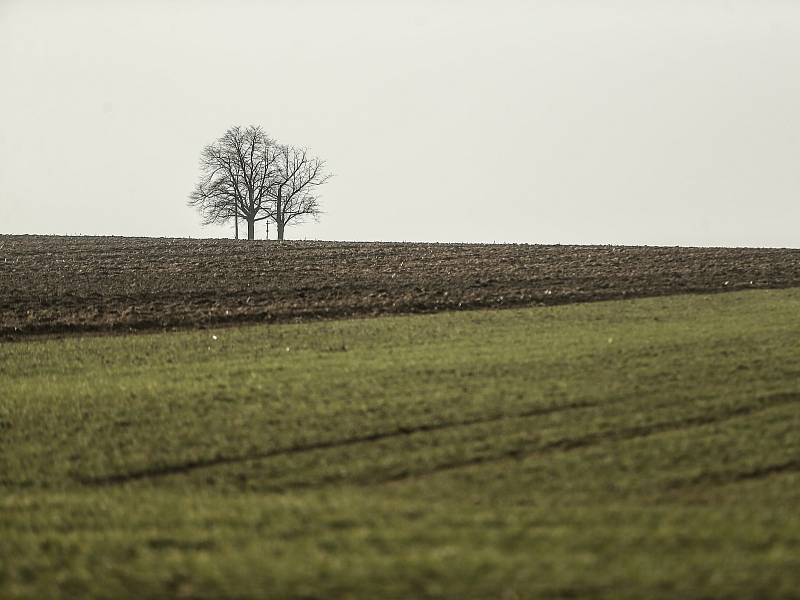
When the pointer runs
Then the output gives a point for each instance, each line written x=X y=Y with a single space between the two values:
x=248 y=175
x=294 y=193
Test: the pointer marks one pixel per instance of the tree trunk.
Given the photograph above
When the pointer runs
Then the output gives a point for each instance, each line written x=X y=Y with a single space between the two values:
x=251 y=230
x=236 y=225
x=279 y=224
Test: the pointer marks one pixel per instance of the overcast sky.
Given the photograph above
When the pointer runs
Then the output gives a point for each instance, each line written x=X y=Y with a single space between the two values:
x=670 y=122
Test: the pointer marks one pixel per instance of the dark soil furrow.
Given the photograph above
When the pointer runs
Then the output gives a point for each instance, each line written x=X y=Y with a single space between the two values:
x=188 y=466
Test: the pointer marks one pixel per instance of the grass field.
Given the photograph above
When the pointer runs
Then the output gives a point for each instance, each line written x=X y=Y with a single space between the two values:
x=627 y=449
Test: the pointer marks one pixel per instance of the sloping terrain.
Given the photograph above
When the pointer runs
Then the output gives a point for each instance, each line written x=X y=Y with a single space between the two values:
x=630 y=449
x=70 y=284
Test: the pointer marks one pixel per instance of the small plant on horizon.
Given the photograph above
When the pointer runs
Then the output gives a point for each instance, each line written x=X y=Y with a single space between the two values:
x=247 y=175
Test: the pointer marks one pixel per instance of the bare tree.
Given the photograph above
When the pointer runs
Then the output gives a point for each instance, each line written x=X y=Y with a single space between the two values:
x=293 y=193
x=236 y=175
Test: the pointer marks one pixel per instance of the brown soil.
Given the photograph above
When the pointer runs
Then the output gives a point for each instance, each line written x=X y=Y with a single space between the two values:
x=51 y=284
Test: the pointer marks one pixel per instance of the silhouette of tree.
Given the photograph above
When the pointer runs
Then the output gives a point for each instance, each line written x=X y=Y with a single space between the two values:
x=236 y=173
x=248 y=175
x=293 y=195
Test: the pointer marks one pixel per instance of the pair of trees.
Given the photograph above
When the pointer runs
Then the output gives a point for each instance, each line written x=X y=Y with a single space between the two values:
x=247 y=175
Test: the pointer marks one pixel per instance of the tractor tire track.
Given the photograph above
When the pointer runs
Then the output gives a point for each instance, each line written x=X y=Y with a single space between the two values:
x=619 y=435
x=725 y=478
x=561 y=445
x=189 y=466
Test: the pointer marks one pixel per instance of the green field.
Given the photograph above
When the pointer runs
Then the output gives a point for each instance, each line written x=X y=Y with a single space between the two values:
x=632 y=449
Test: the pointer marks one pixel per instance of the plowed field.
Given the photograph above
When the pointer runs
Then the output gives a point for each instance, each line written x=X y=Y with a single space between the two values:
x=52 y=284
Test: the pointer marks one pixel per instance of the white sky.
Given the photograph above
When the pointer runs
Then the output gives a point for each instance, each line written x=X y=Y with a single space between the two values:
x=566 y=121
